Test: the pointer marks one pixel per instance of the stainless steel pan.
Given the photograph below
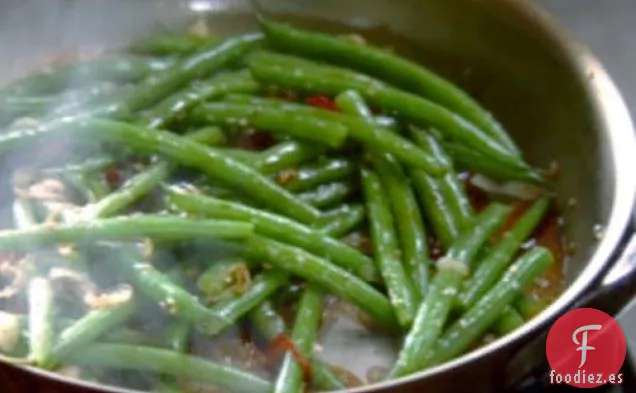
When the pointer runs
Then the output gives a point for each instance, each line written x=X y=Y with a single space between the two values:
x=549 y=91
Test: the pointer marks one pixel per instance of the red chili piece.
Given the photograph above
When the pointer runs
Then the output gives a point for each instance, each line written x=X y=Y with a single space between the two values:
x=112 y=176
x=323 y=102
x=283 y=343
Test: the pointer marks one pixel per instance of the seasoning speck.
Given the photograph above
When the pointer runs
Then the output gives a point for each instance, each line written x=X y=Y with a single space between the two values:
x=599 y=232
x=572 y=202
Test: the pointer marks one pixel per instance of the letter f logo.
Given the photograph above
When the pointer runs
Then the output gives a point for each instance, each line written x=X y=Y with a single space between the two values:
x=583 y=344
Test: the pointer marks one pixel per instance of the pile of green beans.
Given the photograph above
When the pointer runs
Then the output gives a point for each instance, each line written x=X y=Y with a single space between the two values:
x=243 y=186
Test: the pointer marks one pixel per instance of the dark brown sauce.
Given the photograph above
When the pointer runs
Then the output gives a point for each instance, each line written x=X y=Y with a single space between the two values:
x=284 y=344
x=550 y=285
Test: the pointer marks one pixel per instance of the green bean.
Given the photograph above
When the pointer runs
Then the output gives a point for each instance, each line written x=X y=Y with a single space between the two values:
x=277 y=227
x=118 y=69
x=15 y=107
x=436 y=207
x=43 y=211
x=321 y=272
x=371 y=134
x=29 y=103
x=455 y=192
x=269 y=325
x=67 y=102
x=303 y=335
x=203 y=62
x=386 y=65
x=24 y=214
x=509 y=321
x=434 y=311
x=170 y=44
x=287 y=154
x=171 y=297
x=262 y=287
x=387 y=122
x=470 y=159
x=445 y=202
x=171 y=363
x=468 y=244
x=451 y=188
x=209 y=136
x=86 y=330
x=103 y=106
x=124 y=335
x=247 y=157
x=266 y=321
x=179 y=104
x=283 y=105
x=220 y=280
x=380 y=121
x=463 y=332
x=9 y=321
x=528 y=306
x=321 y=130
x=400 y=288
x=351 y=102
x=185 y=152
x=328 y=195
x=141 y=184
x=460 y=216
x=462 y=213
x=496 y=260
x=177 y=334
x=93 y=101
x=134 y=189
x=319 y=173
x=91 y=185
x=238 y=98
x=123 y=228
x=342 y=221
x=323 y=379
x=222 y=193
x=406 y=212
x=295 y=73
x=408 y=220
x=89 y=165
x=41 y=315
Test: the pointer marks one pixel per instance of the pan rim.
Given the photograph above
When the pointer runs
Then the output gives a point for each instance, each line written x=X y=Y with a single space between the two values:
x=614 y=117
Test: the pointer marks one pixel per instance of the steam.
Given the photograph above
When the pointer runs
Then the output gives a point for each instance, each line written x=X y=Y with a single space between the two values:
x=81 y=286
x=16 y=273
x=35 y=176
x=61 y=32
x=37 y=38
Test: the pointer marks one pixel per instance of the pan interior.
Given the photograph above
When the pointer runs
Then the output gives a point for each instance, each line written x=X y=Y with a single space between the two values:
x=519 y=74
